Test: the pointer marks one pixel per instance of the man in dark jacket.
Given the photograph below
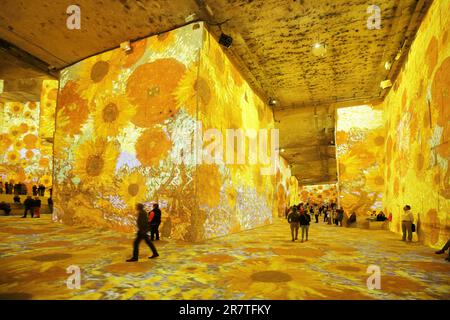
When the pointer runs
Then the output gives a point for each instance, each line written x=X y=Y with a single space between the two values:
x=28 y=203
x=304 y=223
x=294 y=219
x=142 y=234
x=155 y=220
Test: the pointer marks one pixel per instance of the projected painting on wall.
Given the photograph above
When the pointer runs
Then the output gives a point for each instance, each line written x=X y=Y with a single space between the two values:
x=360 y=158
x=318 y=194
x=23 y=156
x=417 y=112
x=119 y=119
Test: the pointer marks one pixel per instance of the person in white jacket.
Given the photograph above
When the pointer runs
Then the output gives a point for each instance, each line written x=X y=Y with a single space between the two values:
x=407 y=219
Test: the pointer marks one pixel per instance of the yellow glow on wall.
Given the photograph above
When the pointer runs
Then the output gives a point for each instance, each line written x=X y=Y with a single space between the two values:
x=318 y=194
x=417 y=115
x=23 y=157
x=360 y=157
x=47 y=114
x=117 y=117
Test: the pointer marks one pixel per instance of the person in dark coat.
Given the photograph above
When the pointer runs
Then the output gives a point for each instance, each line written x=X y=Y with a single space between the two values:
x=351 y=219
x=35 y=190
x=304 y=223
x=155 y=220
x=28 y=203
x=16 y=199
x=5 y=207
x=294 y=220
x=36 y=207
x=50 y=204
x=143 y=227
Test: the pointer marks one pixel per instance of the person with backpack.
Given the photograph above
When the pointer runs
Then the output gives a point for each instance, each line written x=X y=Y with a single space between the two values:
x=294 y=221
x=154 y=219
x=304 y=224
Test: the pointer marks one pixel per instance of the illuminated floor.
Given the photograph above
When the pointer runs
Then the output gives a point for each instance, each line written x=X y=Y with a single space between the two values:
x=257 y=264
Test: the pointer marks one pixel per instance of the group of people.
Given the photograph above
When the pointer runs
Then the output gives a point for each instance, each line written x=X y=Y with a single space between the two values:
x=146 y=223
x=33 y=206
x=13 y=188
x=380 y=216
x=299 y=217
x=20 y=188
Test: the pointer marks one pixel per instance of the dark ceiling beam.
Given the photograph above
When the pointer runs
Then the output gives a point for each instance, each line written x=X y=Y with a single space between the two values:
x=27 y=58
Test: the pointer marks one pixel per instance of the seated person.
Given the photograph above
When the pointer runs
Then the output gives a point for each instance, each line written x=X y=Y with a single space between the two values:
x=445 y=248
x=352 y=218
x=16 y=199
x=381 y=216
x=5 y=207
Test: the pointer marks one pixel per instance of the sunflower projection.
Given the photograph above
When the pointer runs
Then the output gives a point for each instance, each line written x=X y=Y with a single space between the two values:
x=417 y=148
x=24 y=157
x=360 y=158
x=49 y=93
x=125 y=128
x=318 y=194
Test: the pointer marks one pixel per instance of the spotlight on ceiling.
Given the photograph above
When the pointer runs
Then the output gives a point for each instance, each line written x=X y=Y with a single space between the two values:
x=319 y=49
x=225 y=40
x=385 y=84
x=272 y=102
x=126 y=46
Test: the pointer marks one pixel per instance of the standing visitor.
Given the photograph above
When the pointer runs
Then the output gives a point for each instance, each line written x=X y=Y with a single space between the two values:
x=28 y=204
x=304 y=224
x=340 y=216
x=50 y=204
x=316 y=214
x=35 y=188
x=294 y=221
x=407 y=221
x=154 y=220
x=142 y=234
x=37 y=207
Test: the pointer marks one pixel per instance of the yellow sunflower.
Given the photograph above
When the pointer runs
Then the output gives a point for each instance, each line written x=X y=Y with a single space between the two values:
x=46 y=180
x=44 y=162
x=73 y=110
x=152 y=146
x=95 y=162
x=112 y=113
x=32 y=105
x=18 y=145
x=133 y=188
x=29 y=154
x=30 y=141
x=13 y=156
x=14 y=131
x=98 y=73
x=186 y=91
x=5 y=142
x=151 y=88
x=162 y=41
x=16 y=108
x=374 y=181
x=23 y=128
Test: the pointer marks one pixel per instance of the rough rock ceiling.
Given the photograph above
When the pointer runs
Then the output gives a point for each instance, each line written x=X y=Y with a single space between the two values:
x=307 y=143
x=272 y=47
